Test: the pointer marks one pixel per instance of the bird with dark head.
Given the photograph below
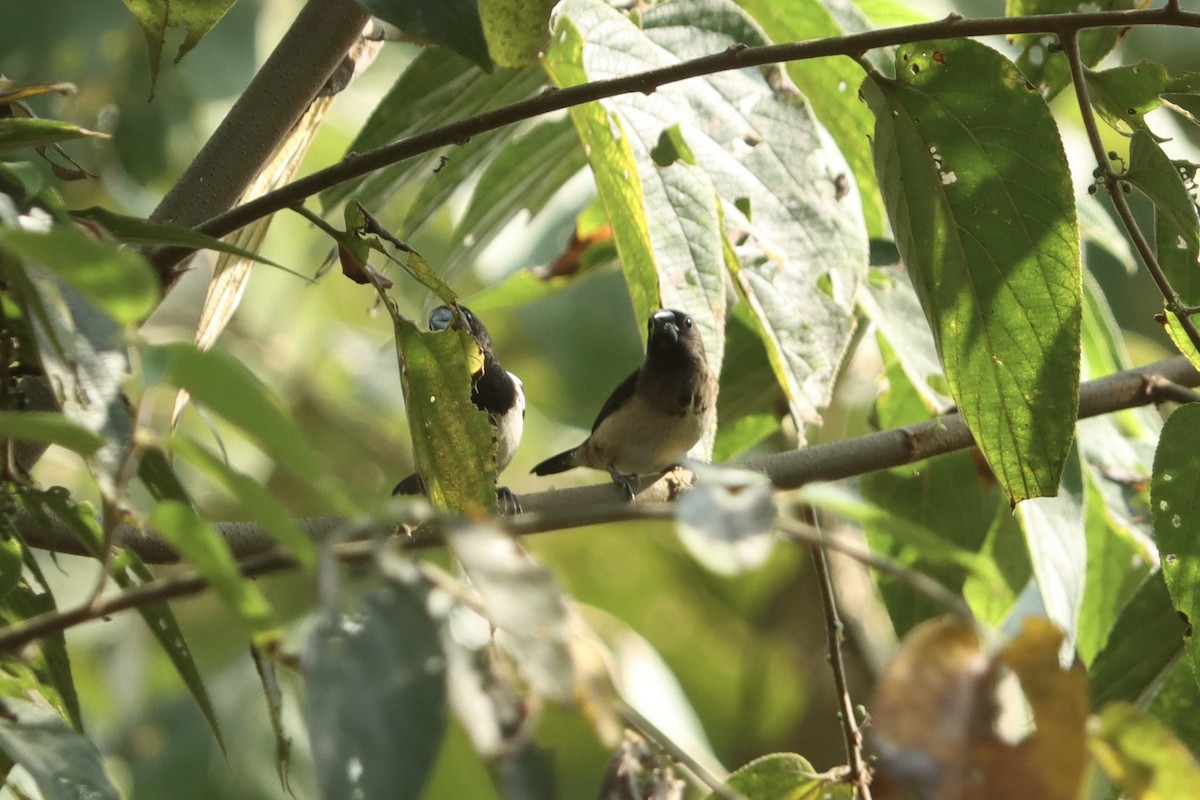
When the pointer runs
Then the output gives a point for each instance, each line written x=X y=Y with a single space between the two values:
x=494 y=391
x=656 y=415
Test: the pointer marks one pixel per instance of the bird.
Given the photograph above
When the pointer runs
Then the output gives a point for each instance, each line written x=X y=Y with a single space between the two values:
x=494 y=391
x=656 y=414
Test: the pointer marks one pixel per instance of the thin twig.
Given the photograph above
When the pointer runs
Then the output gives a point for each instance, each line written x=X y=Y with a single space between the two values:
x=356 y=165
x=1113 y=184
x=859 y=775
x=634 y=719
x=810 y=536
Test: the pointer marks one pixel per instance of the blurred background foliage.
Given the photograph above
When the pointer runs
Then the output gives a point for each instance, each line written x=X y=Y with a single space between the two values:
x=748 y=652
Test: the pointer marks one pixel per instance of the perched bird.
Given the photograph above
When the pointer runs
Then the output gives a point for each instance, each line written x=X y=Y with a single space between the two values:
x=494 y=391
x=656 y=415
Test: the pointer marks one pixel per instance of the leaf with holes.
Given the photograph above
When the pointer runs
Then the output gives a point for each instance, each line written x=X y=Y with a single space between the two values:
x=979 y=193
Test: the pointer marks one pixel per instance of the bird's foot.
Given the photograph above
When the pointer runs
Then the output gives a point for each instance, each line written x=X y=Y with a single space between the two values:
x=507 y=502
x=624 y=481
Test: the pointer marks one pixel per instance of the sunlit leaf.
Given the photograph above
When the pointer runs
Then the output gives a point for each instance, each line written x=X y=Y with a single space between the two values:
x=784 y=776
x=17 y=134
x=1141 y=756
x=516 y=30
x=376 y=695
x=990 y=241
x=1124 y=95
x=64 y=764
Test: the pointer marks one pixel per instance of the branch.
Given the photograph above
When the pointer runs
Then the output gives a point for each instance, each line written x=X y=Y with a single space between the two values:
x=1112 y=183
x=260 y=119
x=737 y=57
x=559 y=509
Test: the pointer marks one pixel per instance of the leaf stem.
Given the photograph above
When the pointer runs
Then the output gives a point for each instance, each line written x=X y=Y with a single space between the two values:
x=1112 y=183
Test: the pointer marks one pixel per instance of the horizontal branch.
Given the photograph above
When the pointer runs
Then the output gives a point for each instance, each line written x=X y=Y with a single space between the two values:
x=559 y=509
x=591 y=505
x=356 y=165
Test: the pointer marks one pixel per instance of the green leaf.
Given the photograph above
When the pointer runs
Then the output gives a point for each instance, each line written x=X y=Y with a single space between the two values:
x=437 y=87
x=1124 y=95
x=1057 y=542
x=1177 y=705
x=155 y=16
x=116 y=279
x=784 y=776
x=1174 y=503
x=1042 y=59
x=82 y=352
x=48 y=664
x=522 y=599
x=64 y=764
x=1176 y=224
x=830 y=84
x=376 y=696
x=516 y=30
x=253 y=497
x=224 y=385
x=369 y=231
x=1145 y=640
x=128 y=572
x=202 y=546
x=1141 y=756
x=135 y=230
x=453 y=24
x=17 y=133
x=1116 y=566
x=989 y=236
x=49 y=427
x=1179 y=337
x=452 y=439
x=750 y=403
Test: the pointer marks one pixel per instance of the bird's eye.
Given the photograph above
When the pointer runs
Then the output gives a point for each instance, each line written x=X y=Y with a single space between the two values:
x=687 y=322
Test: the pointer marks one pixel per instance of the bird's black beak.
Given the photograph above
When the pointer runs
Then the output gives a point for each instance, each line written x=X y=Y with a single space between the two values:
x=441 y=318
x=663 y=325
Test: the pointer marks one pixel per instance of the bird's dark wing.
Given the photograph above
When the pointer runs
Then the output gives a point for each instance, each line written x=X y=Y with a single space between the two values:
x=620 y=396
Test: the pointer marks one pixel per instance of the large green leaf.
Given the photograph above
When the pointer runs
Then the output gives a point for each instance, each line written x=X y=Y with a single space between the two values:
x=1176 y=508
x=376 y=696
x=64 y=764
x=48 y=427
x=155 y=16
x=17 y=134
x=516 y=30
x=453 y=24
x=987 y=230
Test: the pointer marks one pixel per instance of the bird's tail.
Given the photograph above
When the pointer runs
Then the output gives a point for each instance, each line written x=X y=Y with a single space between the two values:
x=559 y=463
x=410 y=485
